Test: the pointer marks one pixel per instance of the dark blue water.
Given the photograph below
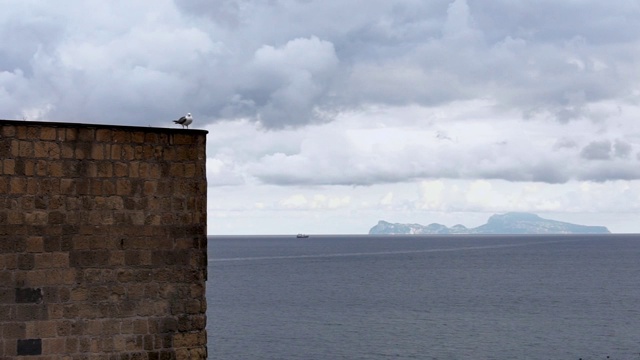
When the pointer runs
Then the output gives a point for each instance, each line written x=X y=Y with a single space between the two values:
x=424 y=297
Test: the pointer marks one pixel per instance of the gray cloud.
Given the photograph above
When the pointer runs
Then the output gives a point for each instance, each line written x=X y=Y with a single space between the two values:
x=597 y=150
x=283 y=64
x=622 y=149
x=565 y=143
x=290 y=82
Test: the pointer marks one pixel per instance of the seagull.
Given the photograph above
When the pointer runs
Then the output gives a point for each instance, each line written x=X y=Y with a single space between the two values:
x=185 y=120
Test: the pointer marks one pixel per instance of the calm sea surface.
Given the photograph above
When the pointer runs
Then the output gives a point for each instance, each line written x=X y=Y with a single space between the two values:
x=424 y=297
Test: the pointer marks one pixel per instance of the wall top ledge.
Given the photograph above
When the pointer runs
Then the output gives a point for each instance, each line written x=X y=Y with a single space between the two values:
x=100 y=126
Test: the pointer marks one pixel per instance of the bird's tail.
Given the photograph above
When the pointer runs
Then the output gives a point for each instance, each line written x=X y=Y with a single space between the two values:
x=176 y=121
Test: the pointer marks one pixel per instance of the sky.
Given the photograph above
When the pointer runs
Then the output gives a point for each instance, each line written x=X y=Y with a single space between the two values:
x=326 y=116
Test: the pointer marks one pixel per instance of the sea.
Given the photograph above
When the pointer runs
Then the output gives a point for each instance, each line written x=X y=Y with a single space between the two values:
x=381 y=297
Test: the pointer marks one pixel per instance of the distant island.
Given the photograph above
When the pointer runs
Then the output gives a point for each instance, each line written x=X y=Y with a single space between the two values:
x=509 y=223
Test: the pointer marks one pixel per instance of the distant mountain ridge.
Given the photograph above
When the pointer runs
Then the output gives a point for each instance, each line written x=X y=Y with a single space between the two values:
x=509 y=223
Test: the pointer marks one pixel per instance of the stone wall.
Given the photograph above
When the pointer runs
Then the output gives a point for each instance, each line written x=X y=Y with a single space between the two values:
x=102 y=242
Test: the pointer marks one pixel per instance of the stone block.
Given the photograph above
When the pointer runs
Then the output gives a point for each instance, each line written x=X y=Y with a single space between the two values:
x=105 y=169
x=155 y=171
x=140 y=326
x=9 y=131
x=56 y=169
x=29 y=347
x=28 y=167
x=121 y=169
x=46 y=149
x=28 y=295
x=15 y=217
x=183 y=139
x=35 y=244
x=189 y=170
x=86 y=134
x=8 y=166
x=95 y=187
x=123 y=187
x=13 y=330
x=121 y=136
x=152 y=138
x=71 y=134
x=89 y=258
x=128 y=152
x=176 y=170
x=52 y=260
x=103 y=135
x=61 y=135
x=56 y=202
x=67 y=186
x=48 y=133
x=139 y=152
x=25 y=148
x=137 y=137
x=169 y=154
x=148 y=152
x=67 y=150
x=97 y=151
x=71 y=345
x=41 y=167
x=10 y=148
x=30 y=312
x=56 y=218
x=42 y=329
x=54 y=346
x=26 y=261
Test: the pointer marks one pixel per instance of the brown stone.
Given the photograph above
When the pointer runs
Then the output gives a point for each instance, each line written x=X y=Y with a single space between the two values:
x=67 y=151
x=54 y=346
x=183 y=139
x=29 y=167
x=97 y=151
x=71 y=134
x=13 y=330
x=121 y=136
x=123 y=187
x=25 y=148
x=105 y=169
x=86 y=134
x=103 y=135
x=41 y=168
x=46 y=149
x=8 y=131
x=47 y=133
x=67 y=186
x=90 y=219
x=35 y=244
x=9 y=166
x=121 y=169
x=41 y=329
x=15 y=217
x=189 y=170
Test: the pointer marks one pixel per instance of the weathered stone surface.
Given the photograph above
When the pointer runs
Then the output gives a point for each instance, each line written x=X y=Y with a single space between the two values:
x=102 y=242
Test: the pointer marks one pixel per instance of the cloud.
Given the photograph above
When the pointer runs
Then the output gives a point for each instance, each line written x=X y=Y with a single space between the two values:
x=597 y=150
x=622 y=149
x=288 y=85
x=282 y=64
x=359 y=150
